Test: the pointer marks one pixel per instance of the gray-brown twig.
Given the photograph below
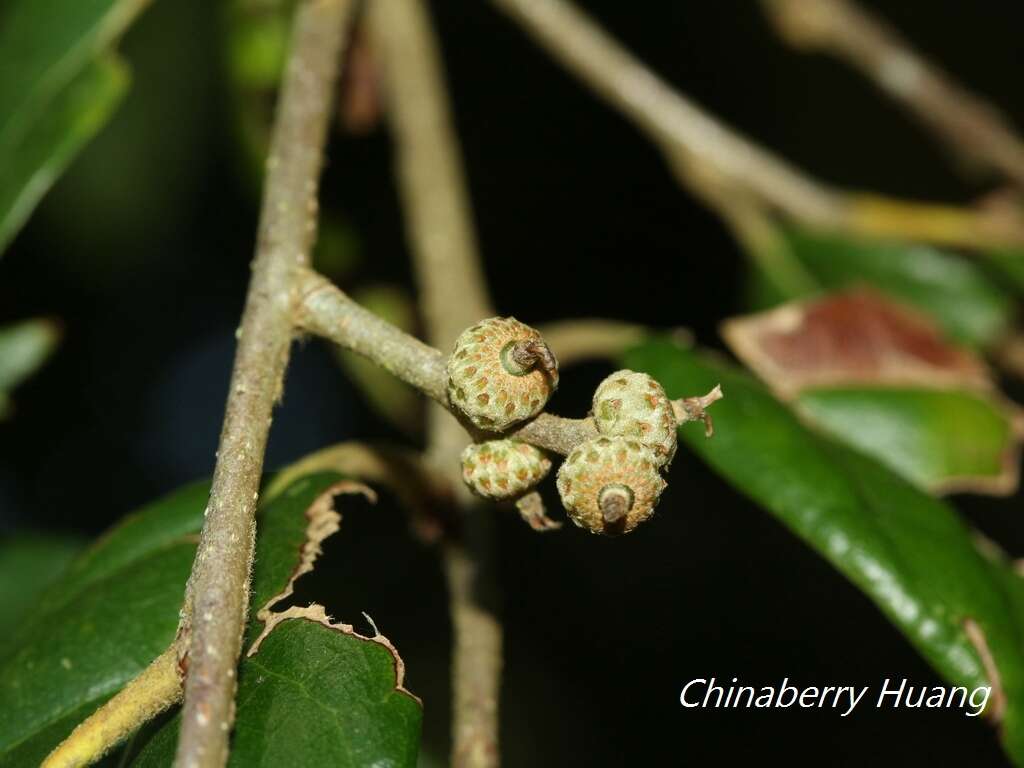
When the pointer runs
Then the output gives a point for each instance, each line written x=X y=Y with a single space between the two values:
x=699 y=148
x=454 y=296
x=328 y=312
x=967 y=124
x=217 y=595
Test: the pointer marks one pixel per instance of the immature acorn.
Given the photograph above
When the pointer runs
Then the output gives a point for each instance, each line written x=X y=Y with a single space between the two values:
x=610 y=485
x=503 y=469
x=631 y=404
x=500 y=373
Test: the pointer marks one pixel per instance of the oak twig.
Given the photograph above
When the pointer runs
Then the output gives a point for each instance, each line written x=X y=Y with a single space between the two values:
x=698 y=147
x=329 y=312
x=967 y=124
x=454 y=296
x=217 y=595
x=326 y=311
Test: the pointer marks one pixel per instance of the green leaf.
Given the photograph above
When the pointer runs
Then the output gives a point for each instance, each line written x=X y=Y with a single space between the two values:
x=29 y=562
x=969 y=305
x=24 y=347
x=910 y=553
x=313 y=695
x=111 y=613
x=940 y=440
x=116 y=608
x=1008 y=263
x=56 y=89
x=34 y=159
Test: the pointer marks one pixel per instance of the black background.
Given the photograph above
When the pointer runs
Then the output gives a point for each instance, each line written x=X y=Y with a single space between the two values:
x=142 y=251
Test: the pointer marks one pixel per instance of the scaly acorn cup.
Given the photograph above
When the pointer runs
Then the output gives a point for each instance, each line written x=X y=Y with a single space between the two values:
x=631 y=404
x=500 y=373
x=503 y=469
x=610 y=485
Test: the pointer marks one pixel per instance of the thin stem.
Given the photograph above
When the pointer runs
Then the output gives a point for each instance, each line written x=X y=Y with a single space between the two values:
x=967 y=124
x=327 y=311
x=330 y=313
x=454 y=296
x=217 y=595
x=699 y=148
x=476 y=657
x=675 y=123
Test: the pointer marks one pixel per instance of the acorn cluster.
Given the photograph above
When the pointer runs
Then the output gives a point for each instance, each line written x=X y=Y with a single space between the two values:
x=501 y=373
x=610 y=484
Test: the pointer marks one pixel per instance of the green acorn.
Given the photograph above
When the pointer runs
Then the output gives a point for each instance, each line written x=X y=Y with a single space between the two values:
x=633 y=405
x=501 y=373
x=610 y=485
x=503 y=469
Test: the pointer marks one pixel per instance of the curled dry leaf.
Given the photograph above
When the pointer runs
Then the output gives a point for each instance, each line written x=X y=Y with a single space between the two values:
x=883 y=378
x=853 y=337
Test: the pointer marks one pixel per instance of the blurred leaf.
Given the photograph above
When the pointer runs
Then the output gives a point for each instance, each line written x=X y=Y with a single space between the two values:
x=257 y=42
x=910 y=553
x=24 y=347
x=1009 y=264
x=32 y=162
x=391 y=398
x=116 y=608
x=29 y=562
x=967 y=303
x=337 y=250
x=56 y=90
x=940 y=440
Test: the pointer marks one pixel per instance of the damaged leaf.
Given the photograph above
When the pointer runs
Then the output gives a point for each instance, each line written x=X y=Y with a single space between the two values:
x=315 y=694
x=858 y=336
x=116 y=608
x=883 y=378
x=910 y=553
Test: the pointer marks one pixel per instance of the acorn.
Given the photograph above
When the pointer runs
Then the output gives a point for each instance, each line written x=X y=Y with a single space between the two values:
x=610 y=485
x=633 y=405
x=503 y=469
x=501 y=373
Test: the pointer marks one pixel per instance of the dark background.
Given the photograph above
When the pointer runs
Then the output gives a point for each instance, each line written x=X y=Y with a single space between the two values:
x=142 y=252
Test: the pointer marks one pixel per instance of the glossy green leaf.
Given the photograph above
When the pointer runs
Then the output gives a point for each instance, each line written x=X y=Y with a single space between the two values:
x=33 y=158
x=116 y=608
x=29 y=563
x=910 y=553
x=24 y=347
x=940 y=440
x=56 y=89
x=961 y=296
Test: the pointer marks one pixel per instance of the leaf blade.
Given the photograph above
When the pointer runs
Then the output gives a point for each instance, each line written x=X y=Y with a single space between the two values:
x=908 y=552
